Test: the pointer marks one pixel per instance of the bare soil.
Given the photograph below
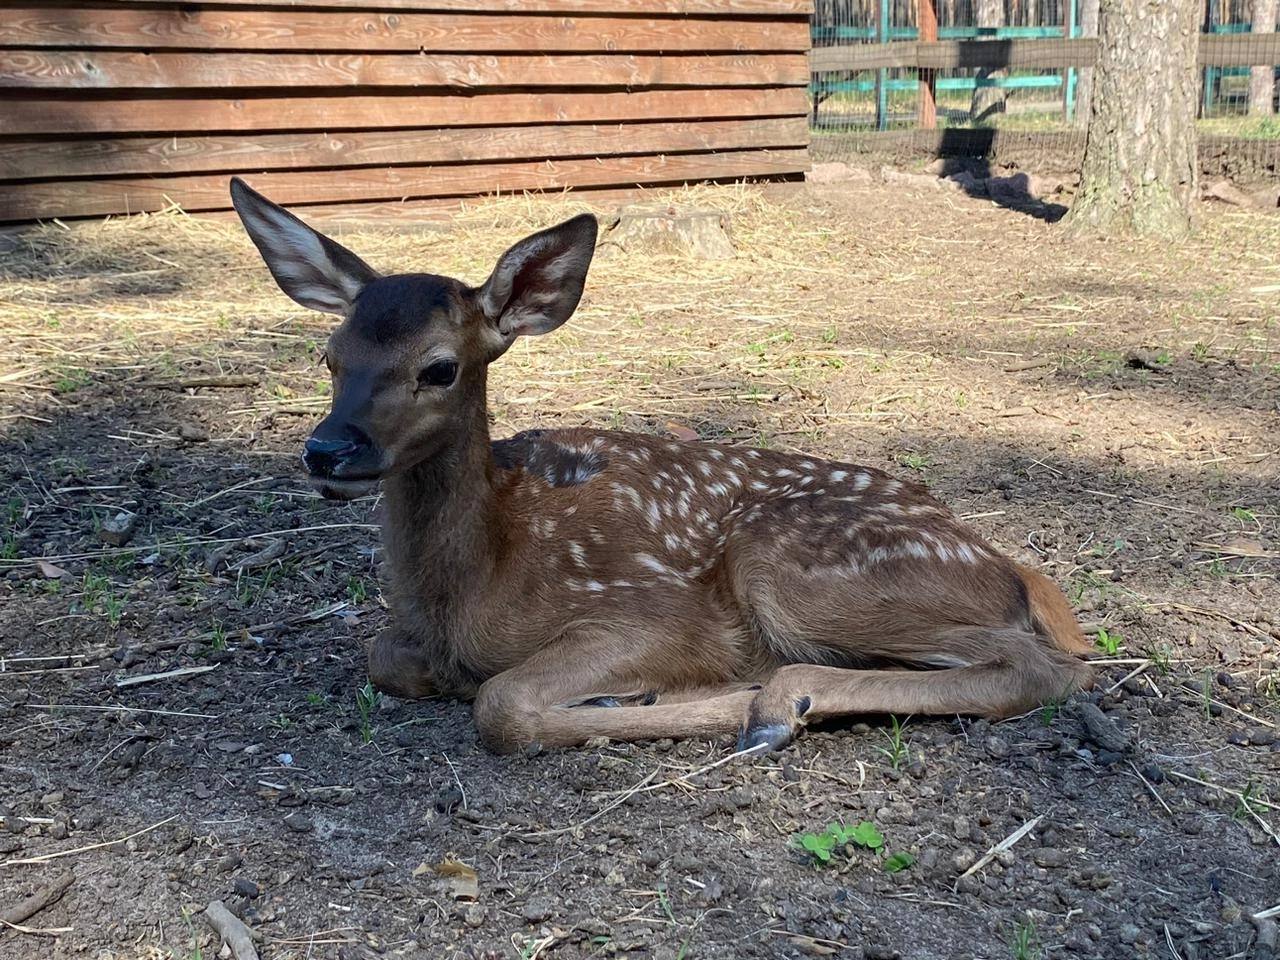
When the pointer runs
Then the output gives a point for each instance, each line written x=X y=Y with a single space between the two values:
x=1105 y=411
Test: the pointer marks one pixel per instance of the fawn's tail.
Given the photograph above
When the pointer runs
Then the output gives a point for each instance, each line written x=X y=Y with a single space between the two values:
x=1051 y=615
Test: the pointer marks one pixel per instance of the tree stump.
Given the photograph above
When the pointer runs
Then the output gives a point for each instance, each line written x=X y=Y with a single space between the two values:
x=667 y=229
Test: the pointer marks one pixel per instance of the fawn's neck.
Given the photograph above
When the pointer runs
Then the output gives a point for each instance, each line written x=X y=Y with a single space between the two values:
x=441 y=531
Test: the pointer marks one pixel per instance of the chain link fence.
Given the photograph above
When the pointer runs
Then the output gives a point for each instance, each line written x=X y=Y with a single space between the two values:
x=1009 y=82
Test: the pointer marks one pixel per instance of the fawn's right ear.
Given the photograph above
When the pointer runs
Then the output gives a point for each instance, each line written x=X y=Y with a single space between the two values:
x=312 y=269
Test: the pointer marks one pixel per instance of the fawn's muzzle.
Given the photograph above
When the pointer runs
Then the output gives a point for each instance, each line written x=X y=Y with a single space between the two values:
x=336 y=459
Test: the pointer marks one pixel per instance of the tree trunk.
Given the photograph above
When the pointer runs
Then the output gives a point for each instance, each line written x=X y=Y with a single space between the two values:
x=1139 y=171
x=1262 y=78
x=1084 y=82
x=988 y=101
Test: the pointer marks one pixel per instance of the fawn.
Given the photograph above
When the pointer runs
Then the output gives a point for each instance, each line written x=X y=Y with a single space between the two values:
x=584 y=583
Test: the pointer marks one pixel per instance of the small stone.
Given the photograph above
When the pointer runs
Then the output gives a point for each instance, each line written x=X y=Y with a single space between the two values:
x=193 y=432
x=118 y=530
x=298 y=823
x=741 y=797
x=790 y=774
x=1048 y=857
x=474 y=915
x=59 y=830
x=961 y=828
x=449 y=800
x=52 y=799
x=996 y=747
x=245 y=887
x=1101 y=729
x=1129 y=933
x=1153 y=772
x=536 y=910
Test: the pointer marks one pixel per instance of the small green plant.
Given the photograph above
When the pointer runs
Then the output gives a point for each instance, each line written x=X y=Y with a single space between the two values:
x=1217 y=567
x=830 y=335
x=1161 y=658
x=1244 y=514
x=71 y=379
x=1206 y=694
x=1025 y=944
x=265 y=503
x=915 y=461
x=1246 y=804
x=367 y=700
x=282 y=722
x=897 y=750
x=822 y=846
x=1109 y=643
x=898 y=861
x=315 y=699
x=357 y=590
x=217 y=637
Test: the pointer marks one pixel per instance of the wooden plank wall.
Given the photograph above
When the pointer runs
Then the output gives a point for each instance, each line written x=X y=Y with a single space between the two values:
x=122 y=106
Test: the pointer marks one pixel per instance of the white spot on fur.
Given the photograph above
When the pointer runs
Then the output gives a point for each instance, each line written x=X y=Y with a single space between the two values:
x=838 y=475
x=861 y=481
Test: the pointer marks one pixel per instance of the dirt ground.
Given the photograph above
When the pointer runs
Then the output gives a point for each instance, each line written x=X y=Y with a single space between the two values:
x=1104 y=411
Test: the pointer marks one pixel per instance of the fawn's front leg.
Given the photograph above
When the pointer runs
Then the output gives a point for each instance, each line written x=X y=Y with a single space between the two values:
x=397 y=666
x=584 y=687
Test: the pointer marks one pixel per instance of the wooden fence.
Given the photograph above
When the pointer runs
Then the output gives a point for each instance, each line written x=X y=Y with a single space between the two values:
x=121 y=106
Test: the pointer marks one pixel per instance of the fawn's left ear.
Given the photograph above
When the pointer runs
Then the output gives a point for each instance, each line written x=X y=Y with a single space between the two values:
x=312 y=269
x=537 y=284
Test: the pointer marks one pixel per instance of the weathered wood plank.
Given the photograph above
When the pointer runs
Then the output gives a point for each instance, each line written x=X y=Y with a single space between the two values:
x=200 y=28
x=957 y=54
x=25 y=201
x=122 y=156
x=1218 y=50
x=1239 y=50
x=35 y=116
x=114 y=70
x=741 y=8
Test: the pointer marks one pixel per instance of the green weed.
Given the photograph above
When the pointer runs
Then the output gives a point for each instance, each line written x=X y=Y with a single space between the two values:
x=357 y=590
x=367 y=700
x=1025 y=944
x=1109 y=643
x=898 y=749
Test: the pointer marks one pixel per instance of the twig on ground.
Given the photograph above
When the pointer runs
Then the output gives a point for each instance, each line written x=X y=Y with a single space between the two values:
x=47 y=895
x=166 y=675
x=1000 y=847
x=93 y=846
x=36 y=931
x=456 y=779
x=232 y=931
x=1147 y=783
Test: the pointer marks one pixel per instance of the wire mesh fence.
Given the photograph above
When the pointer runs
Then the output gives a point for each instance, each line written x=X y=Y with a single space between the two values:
x=1011 y=81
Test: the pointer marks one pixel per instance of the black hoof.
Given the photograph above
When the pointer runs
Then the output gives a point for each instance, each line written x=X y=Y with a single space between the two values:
x=601 y=702
x=773 y=735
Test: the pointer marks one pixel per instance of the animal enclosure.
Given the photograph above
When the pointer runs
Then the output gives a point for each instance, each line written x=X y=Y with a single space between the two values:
x=122 y=107
x=1009 y=79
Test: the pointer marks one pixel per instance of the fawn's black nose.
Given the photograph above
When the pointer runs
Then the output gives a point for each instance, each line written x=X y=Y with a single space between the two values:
x=323 y=457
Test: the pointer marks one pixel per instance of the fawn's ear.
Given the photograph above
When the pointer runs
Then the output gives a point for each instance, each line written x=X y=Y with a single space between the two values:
x=537 y=284
x=312 y=269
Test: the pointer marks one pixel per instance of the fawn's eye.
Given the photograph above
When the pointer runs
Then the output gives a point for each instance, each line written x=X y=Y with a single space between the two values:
x=438 y=374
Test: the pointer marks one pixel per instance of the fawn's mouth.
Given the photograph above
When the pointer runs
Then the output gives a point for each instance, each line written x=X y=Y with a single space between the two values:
x=346 y=488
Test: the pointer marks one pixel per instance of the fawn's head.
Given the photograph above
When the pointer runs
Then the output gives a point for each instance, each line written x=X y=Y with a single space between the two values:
x=409 y=358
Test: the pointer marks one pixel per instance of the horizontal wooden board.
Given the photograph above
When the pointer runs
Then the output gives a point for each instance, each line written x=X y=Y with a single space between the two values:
x=380 y=31
x=1239 y=50
x=742 y=8
x=1221 y=50
x=26 y=201
x=409 y=213
x=957 y=54
x=121 y=156
x=77 y=115
x=113 y=70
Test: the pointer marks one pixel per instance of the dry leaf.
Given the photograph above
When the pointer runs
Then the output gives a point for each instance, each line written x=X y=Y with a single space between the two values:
x=51 y=571
x=463 y=882
x=681 y=432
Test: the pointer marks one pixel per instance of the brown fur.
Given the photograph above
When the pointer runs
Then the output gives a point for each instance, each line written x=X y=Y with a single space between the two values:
x=582 y=583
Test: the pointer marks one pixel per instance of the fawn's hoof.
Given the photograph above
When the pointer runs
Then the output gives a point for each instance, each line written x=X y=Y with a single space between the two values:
x=772 y=727
x=773 y=735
